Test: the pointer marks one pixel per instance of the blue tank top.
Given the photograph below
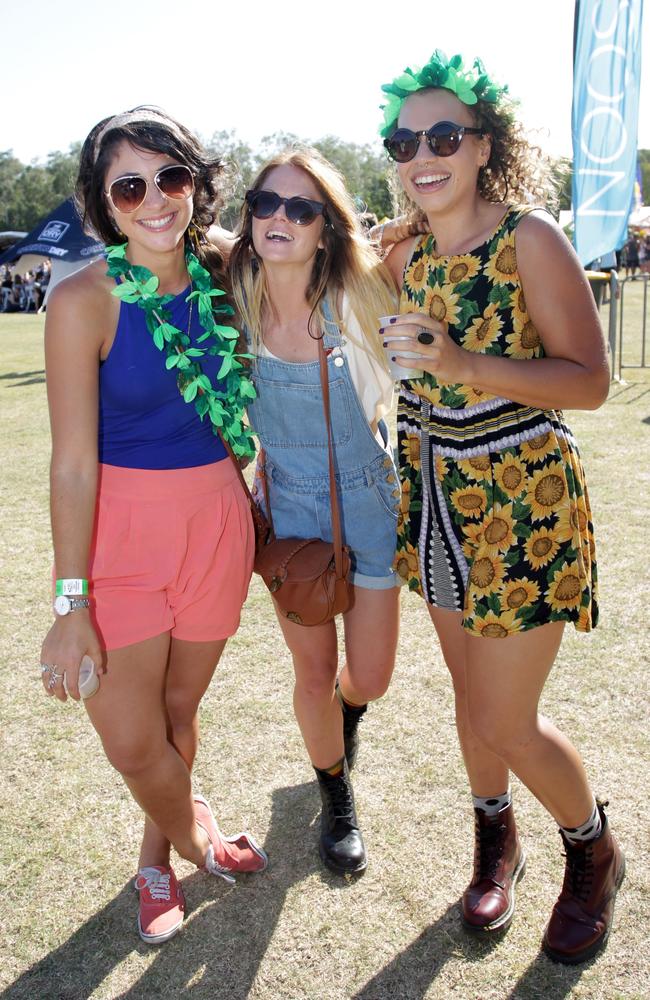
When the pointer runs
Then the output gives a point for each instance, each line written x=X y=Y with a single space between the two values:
x=144 y=422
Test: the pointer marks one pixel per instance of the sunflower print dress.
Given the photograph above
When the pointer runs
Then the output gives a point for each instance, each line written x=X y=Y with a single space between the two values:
x=495 y=519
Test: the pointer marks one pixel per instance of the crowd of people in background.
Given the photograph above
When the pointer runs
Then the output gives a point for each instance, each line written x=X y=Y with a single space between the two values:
x=635 y=255
x=631 y=261
x=23 y=292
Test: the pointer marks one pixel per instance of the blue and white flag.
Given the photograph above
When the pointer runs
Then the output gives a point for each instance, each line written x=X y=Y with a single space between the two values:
x=606 y=84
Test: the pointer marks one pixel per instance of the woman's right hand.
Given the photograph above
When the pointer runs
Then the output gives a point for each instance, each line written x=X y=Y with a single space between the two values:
x=387 y=234
x=70 y=639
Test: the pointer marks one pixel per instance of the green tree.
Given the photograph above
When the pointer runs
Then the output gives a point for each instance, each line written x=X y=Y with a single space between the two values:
x=240 y=165
x=10 y=171
x=29 y=192
x=562 y=173
x=63 y=168
x=644 y=164
x=365 y=171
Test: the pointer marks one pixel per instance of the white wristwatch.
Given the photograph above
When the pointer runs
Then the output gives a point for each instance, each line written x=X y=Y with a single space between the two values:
x=64 y=605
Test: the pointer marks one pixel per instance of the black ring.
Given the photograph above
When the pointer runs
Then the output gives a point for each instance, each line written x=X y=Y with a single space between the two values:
x=425 y=337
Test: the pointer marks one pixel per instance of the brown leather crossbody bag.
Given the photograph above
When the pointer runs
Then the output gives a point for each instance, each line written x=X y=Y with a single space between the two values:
x=308 y=577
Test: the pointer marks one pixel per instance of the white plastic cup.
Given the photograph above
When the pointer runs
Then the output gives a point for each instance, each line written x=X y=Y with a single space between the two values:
x=393 y=351
x=88 y=679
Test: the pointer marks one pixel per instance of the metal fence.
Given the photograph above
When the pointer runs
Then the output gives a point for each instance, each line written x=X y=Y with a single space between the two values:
x=624 y=337
x=625 y=334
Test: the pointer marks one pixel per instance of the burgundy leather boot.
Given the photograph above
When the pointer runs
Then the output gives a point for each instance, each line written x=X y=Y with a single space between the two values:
x=499 y=863
x=582 y=917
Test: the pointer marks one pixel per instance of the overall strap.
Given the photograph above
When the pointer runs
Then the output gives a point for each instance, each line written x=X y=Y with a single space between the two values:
x=337 y=536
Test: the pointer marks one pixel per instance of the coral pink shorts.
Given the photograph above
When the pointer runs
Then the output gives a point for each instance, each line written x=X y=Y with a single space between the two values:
x=172 y=552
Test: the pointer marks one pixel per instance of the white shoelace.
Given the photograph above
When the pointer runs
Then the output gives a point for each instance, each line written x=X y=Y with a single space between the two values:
x=156 y=882
x=214 y=868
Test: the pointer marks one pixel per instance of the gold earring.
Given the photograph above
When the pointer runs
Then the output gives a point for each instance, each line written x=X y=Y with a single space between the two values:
x=194 y=235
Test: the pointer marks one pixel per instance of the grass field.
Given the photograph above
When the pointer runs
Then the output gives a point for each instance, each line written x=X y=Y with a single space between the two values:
x=70 y=830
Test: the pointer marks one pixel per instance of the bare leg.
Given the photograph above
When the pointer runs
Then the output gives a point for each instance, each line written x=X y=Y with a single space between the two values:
x=130 y=716
x=487 y=773
x=371 y=628
x=315 y=658
x=371 y=631
x=505 y=678
x=191 y=668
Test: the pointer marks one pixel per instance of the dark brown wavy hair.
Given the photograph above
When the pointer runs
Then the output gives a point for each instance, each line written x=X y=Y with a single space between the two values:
x=157 y=132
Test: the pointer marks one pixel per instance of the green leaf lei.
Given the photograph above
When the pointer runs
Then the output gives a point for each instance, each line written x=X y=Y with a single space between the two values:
x=468 y=84
x=224 y=406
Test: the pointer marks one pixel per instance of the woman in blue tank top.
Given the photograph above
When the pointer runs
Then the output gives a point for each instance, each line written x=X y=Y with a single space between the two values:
x=301 y=271
x=153 y=540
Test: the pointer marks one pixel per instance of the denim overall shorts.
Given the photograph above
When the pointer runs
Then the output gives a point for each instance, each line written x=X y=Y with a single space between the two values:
x=289 y=420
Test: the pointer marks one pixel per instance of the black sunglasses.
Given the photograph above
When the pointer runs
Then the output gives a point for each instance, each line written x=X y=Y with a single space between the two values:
x=302 y=211
x=128 y=193
x=443 y=139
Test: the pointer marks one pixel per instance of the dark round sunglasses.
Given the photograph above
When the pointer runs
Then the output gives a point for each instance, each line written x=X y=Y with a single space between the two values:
x=126 y=194
x=443 y=139
x=302 y=211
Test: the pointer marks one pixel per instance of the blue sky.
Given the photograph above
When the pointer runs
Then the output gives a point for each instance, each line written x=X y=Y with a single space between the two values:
x=259 y=67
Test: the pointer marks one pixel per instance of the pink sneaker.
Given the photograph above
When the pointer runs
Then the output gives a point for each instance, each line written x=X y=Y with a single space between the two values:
x=240 y=853
x=162 y=904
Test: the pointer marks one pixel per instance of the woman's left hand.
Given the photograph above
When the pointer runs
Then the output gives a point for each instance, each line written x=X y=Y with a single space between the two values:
x=439 y=354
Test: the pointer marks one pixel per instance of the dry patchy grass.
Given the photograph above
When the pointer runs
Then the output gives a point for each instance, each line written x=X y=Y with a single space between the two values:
x=70 y=830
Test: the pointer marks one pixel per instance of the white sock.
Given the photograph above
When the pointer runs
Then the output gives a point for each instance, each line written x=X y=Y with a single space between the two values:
x=492 y=804
x=588 y=830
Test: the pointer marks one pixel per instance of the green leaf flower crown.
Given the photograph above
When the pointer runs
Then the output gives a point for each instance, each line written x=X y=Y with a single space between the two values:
x=224 y=405
x=468 y=84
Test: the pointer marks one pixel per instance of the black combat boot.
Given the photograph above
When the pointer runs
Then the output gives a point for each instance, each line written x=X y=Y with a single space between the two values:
x=341 y=844
x=352 y=716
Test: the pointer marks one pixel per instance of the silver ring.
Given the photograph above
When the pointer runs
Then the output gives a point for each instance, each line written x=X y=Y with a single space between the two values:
x=54 y=677
x=44 y=667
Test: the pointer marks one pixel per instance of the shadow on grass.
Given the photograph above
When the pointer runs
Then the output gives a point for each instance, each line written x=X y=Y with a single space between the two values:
x=227 y=931
x=73 y=970
x=547 y=979
x=411 y=973
x=219 y=951
x=628 y=393
x=27 y=380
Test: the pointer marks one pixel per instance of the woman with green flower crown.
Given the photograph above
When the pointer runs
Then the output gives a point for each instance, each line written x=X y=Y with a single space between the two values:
x=496 y=530
x=153 y=539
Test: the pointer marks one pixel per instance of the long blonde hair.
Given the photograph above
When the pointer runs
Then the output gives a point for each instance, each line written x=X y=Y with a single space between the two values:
x=347 y=263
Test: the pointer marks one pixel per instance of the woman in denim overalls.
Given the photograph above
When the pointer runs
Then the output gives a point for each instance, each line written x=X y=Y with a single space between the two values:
x=302 y=270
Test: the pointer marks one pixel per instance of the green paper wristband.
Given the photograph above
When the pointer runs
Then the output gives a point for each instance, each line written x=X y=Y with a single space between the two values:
x=71 y=588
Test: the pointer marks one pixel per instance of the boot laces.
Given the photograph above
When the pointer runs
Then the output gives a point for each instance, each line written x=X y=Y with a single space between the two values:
x=156 y=882
x=340 y=801
x=490 y=847
x=579 y=871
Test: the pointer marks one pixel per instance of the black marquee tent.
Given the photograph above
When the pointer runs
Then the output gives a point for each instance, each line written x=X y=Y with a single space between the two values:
x=60 y=237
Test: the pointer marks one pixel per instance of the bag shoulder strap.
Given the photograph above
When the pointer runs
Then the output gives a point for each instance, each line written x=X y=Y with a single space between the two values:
x=337 y=536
